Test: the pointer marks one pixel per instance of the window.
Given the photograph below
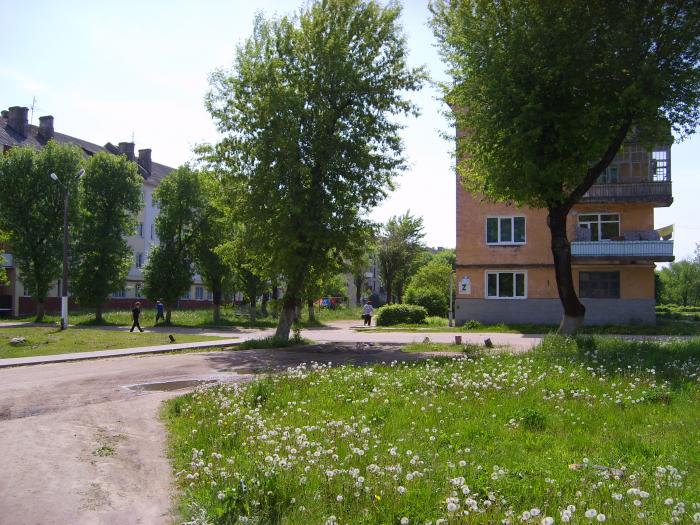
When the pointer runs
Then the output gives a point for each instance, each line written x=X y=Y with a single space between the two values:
x=609 y=176
x=506 y=285
x=152 y=230
x=25 y=291
x=210 y=296
x=505 y=230
x=186 y=295
x=139 y=229
x=659 y=165
x=199 y=293
x=603 y=226
x=138 y=290
x=139 y=260
x=120 y=293
x=599 y=285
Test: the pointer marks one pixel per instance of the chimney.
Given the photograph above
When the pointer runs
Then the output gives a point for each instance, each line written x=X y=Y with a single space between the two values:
x=46 y=127
x=18 y=119
x=4 y=113
x=127 y=148
x=145 y=159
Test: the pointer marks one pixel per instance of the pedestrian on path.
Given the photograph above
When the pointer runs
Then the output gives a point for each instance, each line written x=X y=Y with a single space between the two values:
x=367 y=312
x=135 y=314
x=160 y=311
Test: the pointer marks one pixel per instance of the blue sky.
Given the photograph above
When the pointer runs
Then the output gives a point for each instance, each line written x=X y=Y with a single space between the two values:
x=108 y=70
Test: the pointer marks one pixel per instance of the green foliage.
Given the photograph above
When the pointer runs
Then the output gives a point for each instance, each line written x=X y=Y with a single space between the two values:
x=273 y=342
x=430 y=287
x=311 y=139
x=31 y=210
x=400 y=244
x=545 y=108
x=168 y=273
x=680 y=283
x=109 y=198
x=393 y=314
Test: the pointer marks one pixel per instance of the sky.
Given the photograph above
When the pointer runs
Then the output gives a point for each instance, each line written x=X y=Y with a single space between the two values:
x=108 y=72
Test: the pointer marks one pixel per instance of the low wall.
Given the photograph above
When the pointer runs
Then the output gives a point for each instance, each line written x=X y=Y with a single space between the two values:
x=549 y=311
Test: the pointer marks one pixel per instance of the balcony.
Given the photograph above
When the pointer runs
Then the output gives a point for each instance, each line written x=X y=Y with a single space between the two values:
x=622 y=251
x=658 y=193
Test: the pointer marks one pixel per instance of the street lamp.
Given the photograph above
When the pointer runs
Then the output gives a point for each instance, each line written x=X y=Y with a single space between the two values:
x=450 y=315
x=64 y=283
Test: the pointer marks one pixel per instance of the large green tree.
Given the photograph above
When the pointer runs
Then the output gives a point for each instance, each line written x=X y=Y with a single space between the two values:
x=170 y=267
x=31 y=211
x=309 y=114
x=210 y=234
x=109 y=199
x=680 y=281
x=400 y=244
x=546 y=92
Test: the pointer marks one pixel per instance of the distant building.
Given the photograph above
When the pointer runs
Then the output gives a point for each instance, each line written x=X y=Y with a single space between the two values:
x=15 y=130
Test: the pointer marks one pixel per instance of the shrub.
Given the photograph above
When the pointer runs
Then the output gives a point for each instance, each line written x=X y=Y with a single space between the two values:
x=401 y=314
x=433 y=300
x=472 y=324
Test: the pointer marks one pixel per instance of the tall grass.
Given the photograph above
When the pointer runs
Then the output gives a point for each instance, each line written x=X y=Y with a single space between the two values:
x=578 y=427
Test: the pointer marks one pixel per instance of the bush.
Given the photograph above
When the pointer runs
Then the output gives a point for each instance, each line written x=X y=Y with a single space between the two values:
x=401 y=314
x=433 y=300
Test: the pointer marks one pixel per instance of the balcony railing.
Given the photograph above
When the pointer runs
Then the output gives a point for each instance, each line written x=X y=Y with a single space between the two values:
x=647 y=250
x=654 y=192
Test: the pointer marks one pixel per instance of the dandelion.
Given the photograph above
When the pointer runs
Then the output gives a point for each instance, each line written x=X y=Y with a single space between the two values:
x=591 y=513
x=405 y=521
x=221 y=495
x=600 y=517
x=400 y=489
x=339 y=498
x=548 y=521
x=668 y=501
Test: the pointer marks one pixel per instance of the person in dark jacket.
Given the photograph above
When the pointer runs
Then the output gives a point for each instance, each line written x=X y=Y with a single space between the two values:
x=135 y=314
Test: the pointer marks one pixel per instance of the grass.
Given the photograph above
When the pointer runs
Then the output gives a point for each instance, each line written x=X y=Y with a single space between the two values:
x=664 y=326
x=273 y=342
x=441 y=347
x=51 y=341
x=576 y=426
x=192 y=318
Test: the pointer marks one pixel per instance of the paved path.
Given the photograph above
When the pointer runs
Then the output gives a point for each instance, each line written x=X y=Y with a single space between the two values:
x=82 y=445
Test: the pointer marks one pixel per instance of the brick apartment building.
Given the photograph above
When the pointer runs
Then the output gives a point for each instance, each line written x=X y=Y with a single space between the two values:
x=505 y=269
x=15 y=130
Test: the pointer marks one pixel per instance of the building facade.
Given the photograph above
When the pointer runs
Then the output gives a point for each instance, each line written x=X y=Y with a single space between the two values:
x=505 y=268
x=16 y=131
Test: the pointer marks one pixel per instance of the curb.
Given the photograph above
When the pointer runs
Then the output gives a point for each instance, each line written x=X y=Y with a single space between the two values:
x=122 y=352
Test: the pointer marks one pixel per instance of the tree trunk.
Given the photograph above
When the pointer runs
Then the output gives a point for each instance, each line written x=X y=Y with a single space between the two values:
x=40 y=311
x=263 y=304
x=358 y=291
x=399 y=293
x=574 y=311
x=98 y=314
x=312 y=312
x=287 y=316
x=389 y=298
x=168 y=312
x=252 y=310
x=216 y=299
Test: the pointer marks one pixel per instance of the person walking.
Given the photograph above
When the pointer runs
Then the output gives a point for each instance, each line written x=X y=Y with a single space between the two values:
x=367 y=312
x=135 y=314
x=160 y=311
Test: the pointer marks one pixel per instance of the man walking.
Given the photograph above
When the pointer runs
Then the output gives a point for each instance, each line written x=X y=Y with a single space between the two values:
x=160 y=310
x=367 y=312
x=135 y=314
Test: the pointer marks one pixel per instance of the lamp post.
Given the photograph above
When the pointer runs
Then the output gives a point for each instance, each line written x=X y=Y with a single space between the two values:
x=450 y=315
x=64 y=281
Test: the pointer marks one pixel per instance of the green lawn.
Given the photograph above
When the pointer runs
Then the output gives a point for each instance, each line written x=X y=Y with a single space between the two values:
x=50 y=341
x=576 y=427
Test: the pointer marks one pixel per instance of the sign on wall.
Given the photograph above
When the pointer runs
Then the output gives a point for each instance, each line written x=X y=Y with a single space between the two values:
x=465 y=286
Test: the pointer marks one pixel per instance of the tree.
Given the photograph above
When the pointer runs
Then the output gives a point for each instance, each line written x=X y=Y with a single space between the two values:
x=169 y=271
x=31 y=211
x=308 y=111
x=680 y=283
x=210 y=234
x=400 y=243
x=109 y=198
x=545 y=93
x=3 y=273
x=430 y=287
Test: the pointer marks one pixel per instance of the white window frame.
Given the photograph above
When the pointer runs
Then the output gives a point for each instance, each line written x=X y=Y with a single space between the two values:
x=600 y=223
x=139 y=260
x=497 y=297
x=199 y=293
x=512 y=230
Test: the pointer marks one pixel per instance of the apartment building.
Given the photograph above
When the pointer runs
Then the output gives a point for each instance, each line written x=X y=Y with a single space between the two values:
x=505 y=268
x=15 y=130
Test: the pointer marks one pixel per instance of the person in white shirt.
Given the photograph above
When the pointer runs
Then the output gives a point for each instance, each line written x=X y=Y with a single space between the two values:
x=367 y=312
